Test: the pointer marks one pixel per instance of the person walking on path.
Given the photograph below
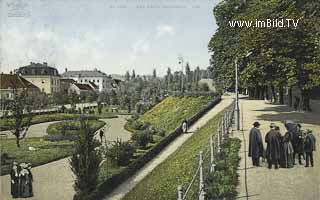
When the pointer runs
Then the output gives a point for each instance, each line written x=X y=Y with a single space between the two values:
x=101 y=134
x=273 y=147
x=25 y=180
x=30 y=179
x=14 y=174
x=255 y=144
x=185 y=126
x=309 y=147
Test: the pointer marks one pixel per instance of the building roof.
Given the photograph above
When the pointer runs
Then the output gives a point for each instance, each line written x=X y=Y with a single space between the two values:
x=83 y=86
x=93 y=85
x=39 y=69
x=14 y=81
x=84 y=73
x=67 y=80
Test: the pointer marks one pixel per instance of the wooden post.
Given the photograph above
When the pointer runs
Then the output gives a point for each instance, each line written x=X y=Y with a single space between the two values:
x=201 y=182
x=212 y=154
x=180 y=192
x=218 y=140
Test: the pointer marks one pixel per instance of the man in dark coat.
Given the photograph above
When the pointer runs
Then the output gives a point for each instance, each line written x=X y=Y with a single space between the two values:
x=255 y=144
x=309 y=147
x=299 y=144
x=273 y=147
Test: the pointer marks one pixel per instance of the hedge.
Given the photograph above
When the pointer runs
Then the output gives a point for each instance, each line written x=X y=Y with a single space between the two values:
x=111 y=183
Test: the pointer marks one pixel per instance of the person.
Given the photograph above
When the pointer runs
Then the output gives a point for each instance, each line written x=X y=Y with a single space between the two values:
x=309 y=147
x=255 y=144
x=287 y=151
x=14 y=175
x=29 y=166
x=273 y=147
x=101 y=134
x=185 y=126
x=24 y=182
x=299 y=144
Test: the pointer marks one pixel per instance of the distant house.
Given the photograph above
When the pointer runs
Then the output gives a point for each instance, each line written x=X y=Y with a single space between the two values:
x=100 y=79
x=13 y=83
x=65 y=84
x=80 y=89
x=46 y=78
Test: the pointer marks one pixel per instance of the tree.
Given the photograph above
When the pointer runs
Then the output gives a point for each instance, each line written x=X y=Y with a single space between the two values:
x=154 y=74
x=85 y=163
x=133 y=76
x=127 y=76
x=20 y=120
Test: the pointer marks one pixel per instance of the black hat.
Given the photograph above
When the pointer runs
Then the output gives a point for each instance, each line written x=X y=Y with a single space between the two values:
x=256 y=124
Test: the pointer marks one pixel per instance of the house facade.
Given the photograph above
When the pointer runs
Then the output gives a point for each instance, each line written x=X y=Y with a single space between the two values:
x=46 y=78
x=96 y=77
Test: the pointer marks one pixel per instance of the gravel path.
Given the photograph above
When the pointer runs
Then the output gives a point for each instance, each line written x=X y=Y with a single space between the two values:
x=54 y=181
x=283 y=184
x=125 y=187
x=36 y=130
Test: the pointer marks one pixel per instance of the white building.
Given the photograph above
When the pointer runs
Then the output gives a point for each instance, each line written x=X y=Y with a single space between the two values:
x=97 y=77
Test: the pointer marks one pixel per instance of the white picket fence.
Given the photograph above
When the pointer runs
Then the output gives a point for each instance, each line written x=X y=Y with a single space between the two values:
x=207 y=159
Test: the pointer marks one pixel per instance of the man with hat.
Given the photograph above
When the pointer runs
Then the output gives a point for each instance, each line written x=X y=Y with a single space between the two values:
x=309 y=147
x=255 y=144
x=273 y=147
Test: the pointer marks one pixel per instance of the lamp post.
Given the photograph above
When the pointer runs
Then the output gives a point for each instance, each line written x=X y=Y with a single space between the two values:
x=237 y=111
x=181 y=62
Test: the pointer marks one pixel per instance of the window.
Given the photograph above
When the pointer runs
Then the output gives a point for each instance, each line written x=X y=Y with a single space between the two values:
x=80 y=81
x=85 y=80
x=98 y=80
x=93 y=80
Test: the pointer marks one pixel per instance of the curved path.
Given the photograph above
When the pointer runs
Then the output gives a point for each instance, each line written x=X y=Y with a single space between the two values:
x=36 y=130
x=54 y=181
x=125 y=187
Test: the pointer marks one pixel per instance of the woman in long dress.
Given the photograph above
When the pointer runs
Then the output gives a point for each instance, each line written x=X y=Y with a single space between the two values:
x=14 y=174
x=288 y=151
x=25 y=182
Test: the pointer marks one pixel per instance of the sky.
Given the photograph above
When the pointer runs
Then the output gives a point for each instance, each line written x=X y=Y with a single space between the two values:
x=110 y=35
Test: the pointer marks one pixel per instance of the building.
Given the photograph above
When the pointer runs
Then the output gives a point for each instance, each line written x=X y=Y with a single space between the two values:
x=13 y=83
x=65 y=84
x=46 y=78
x=81 y=89
x=96 y=77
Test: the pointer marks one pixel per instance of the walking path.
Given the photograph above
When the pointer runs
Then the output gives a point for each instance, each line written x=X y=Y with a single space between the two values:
x=36 y=130
x=54 y=181
x=263 y=184
x=125 y=187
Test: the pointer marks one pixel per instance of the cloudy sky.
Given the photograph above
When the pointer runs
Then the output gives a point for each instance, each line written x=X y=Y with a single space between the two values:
x=111 y=35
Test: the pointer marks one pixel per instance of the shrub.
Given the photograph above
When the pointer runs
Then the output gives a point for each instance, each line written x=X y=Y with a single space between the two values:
x=120 y=152
x=142 y=138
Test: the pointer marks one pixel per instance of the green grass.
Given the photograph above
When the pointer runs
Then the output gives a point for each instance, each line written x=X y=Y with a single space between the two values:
x=178 y=169
x=45 y=151
x=72 y=126
x=170 y=113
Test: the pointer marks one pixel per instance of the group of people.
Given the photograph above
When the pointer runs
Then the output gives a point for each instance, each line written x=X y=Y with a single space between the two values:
x=281 y=149
x=21 y=180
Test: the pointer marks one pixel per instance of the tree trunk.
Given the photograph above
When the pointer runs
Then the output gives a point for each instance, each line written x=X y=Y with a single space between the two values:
x=290 y=96
x=305 y=98
x=274 y=96
x=266 y=93
x=18 y=142
x=281 y=92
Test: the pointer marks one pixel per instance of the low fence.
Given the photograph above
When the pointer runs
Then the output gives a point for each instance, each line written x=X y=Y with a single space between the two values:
x=207 y=158
x=107 y=186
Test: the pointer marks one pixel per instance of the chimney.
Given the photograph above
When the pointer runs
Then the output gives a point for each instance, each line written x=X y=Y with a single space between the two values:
x=66 y=69
x=45 y=64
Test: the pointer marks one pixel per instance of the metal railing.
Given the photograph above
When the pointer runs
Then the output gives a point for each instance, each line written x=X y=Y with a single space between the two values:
x=208 y=159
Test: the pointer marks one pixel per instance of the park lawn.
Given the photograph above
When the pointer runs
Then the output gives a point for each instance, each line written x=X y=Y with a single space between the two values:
x=46 y=151
x=178 y=169
x=72 y=127
x=170 y=113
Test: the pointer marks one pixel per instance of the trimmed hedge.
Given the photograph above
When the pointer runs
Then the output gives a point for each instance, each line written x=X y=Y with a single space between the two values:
x=111 y=183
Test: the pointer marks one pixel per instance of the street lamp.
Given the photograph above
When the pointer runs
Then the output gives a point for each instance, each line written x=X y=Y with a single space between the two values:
x=237 y=110
x=181 y=62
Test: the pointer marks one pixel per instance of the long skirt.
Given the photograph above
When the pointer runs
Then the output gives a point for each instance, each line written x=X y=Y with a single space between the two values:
x=15 y=189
